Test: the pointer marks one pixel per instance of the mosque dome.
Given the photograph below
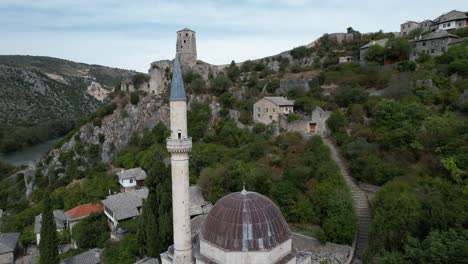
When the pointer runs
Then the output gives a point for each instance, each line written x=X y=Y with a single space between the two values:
x=245 y=221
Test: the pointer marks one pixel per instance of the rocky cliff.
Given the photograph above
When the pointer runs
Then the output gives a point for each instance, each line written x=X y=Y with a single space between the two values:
x=108 y=136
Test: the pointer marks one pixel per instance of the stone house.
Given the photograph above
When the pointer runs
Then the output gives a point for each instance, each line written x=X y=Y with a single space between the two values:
x=198 y=204
x=132 y=179
x=8 y=247
x=363 y=49
x=313 y=125
x=433 y=44
x=452 y=20
x=345 y=59
x=92 y=256
x=268 y=109
x=408 y=26
x=80 y=212
x=123 y=206
x=60 y=219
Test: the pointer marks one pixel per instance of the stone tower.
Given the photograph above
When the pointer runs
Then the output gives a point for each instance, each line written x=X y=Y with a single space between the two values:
x=187 y=47
x=179 y=145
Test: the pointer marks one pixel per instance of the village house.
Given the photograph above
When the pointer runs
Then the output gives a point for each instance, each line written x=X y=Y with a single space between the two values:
x=268 y=109
x=80 y=212
x=345 y=59
x=60 y=219
x=132 y=179
x=408 y=26
x=8 y=247
x=363 y=49
x=313 y=125
x=92 y=256
x=433 y=44
x=123 y=206
x=452 y=20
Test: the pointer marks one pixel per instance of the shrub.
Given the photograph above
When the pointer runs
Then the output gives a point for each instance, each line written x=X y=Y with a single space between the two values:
x=220 y=84
x=135 y=98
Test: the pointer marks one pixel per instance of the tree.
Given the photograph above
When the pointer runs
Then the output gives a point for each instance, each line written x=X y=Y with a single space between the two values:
x=154 y=234
x=48 y=246
x=91 y=232
x=375 y=54
x=220 y=84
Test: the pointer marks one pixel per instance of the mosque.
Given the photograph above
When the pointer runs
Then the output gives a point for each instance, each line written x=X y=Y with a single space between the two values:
x=242 y=227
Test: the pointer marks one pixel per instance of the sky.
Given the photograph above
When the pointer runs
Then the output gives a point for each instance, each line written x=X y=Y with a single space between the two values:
x=131 y=34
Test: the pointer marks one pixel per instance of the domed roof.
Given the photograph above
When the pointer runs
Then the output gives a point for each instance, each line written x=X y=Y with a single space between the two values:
x=245 y=221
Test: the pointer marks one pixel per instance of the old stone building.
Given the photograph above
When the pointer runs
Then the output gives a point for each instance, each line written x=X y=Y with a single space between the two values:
x=8 y=247
x=408 y=26
x=345 y=59
x=363 y=49
x=268 y=109
x=187 y=47
x=452 y=20
x=433 y=44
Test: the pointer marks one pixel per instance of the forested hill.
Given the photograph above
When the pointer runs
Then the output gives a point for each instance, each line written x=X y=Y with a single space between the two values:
x=44 y=97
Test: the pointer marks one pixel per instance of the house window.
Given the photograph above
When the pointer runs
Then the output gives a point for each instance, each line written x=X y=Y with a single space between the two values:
x=432 y=50
x=424 y=43
x=258 y=115
x=287 y=109
x=274 y=110
x=448 y=25
x=130 y=181
x=181 y=46
x=444 y=25
x=185 y=41
x=267 y=110
x=443 y=49
x=459 y=24
x=271 y=117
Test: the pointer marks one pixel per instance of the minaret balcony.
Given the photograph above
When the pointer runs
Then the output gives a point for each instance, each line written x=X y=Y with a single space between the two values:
x=179 y=145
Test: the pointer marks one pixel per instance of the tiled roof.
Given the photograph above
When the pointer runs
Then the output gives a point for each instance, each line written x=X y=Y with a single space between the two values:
x=92 y=256
x=198 y=204
x=452 y=15
x=60 y=219
x=148 y=261
x=437 y=35
x=177 y=83
x=8 y=242
x=126 y=205
x=279 y=100
x=83 y=211
x=135 y=173
x=380 y=42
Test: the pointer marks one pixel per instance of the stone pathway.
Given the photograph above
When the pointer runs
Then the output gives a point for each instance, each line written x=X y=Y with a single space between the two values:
x=361 y=204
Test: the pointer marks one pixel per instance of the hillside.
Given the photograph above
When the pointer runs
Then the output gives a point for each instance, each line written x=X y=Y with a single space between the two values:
x=45 y=97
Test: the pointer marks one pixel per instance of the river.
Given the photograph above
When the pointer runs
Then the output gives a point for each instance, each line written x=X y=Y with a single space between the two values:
x=27 y=155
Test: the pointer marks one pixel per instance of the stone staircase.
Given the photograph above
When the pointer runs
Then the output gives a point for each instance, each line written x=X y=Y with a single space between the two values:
x=361 y=204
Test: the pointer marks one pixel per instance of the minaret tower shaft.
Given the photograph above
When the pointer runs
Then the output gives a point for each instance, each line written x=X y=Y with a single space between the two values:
x=179 y=145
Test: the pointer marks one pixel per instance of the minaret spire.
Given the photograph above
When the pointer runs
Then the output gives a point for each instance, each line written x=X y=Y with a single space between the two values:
x=179 y=145
x=177 y=84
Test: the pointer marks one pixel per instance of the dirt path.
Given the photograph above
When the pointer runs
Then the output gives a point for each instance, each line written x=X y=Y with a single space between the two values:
x=361 y=203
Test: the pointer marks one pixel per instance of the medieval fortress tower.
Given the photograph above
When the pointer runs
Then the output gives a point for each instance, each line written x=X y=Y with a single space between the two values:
x=186 y=47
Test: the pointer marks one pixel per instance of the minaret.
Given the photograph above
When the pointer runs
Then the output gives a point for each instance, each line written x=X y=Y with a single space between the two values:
x=179 y=145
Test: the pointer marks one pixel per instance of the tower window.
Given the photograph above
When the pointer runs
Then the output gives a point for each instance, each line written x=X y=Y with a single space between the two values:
x=186 y=34
x=185 y=41
x=181 y=46
x=179 y=134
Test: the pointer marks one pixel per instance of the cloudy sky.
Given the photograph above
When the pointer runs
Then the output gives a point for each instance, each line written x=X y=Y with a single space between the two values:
x=132 y=33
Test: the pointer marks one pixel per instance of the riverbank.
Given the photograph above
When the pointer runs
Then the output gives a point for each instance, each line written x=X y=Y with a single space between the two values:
x=28 y=155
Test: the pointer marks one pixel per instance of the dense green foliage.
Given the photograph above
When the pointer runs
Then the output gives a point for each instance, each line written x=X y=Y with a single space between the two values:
x=91 y=232
x=155 y=227
x=48 y=248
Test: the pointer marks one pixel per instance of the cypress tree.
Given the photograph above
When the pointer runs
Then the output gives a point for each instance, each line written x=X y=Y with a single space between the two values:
x=155 y=228
x=48 y=246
